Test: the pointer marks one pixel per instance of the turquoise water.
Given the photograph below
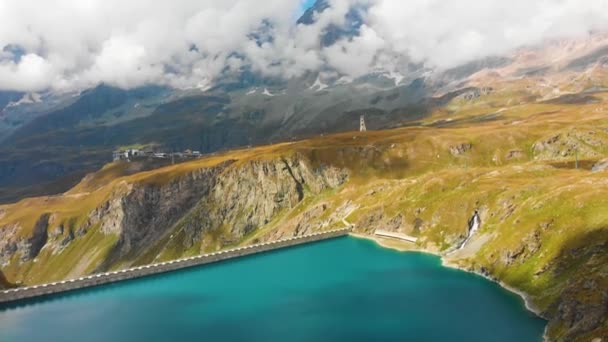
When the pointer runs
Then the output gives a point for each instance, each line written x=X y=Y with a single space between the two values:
x=338 y=290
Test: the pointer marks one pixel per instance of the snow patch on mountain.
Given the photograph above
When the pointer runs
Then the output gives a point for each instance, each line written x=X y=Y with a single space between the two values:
x=396 y=76
x=318 y=85
x=267 y=93
x=344 y=80
x=28 y=98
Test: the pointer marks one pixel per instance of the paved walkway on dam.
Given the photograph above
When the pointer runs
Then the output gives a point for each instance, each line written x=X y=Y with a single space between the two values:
x=394 y=235
x=21 y=293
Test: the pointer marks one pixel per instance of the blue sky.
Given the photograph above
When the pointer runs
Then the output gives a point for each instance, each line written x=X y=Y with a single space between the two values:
x=305 y=5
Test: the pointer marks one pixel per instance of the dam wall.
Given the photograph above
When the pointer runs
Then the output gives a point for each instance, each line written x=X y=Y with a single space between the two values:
x=22 y=293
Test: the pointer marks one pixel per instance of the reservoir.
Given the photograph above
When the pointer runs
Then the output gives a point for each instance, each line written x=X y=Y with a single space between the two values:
x=345 y=289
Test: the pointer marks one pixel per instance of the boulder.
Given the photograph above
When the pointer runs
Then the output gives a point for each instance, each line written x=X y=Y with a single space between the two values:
x=600 y=166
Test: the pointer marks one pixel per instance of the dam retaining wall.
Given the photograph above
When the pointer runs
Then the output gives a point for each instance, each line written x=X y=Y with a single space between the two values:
x=23 y=293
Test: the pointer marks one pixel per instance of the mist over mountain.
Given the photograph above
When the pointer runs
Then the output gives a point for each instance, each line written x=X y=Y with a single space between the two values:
x=193 y=44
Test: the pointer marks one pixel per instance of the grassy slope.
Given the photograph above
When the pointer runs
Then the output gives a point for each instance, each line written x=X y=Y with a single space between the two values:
x=4 y=284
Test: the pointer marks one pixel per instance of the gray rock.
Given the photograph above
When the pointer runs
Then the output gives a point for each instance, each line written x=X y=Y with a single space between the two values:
x=600 y=166
x=460 y=149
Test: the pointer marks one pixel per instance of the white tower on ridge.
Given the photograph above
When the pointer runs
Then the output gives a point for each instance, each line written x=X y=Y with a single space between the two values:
x=362 y=127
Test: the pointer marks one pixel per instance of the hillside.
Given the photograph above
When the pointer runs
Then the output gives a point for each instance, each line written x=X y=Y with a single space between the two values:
x=511 y=158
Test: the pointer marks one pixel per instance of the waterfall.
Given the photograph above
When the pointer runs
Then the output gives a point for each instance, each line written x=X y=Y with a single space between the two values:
x=474 y=224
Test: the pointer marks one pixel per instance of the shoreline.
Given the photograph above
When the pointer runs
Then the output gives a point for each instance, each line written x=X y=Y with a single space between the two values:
x=403 y=247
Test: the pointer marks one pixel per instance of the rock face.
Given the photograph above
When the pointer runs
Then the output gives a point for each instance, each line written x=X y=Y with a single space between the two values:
x=205 y=209
x=600 y=166
x=147 y=212
x=581 y=310
x=250 y=196
x=460 y=149
x=578 y=315
x=27 y=247
x=587 y=143
x=477 y=93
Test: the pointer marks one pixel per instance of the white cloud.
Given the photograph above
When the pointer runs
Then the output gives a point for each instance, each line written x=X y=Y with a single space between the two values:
x=449 y=33
x=32 y=73
x=357 y=56
x=130 y=43
x=189 y=43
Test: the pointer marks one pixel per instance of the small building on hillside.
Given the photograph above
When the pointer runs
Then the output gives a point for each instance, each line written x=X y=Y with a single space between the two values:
x=134 y=152
x=130 y=154
x=127 y=154
x=118 y=155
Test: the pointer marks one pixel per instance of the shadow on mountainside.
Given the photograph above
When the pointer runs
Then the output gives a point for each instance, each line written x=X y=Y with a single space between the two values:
x=575 y=288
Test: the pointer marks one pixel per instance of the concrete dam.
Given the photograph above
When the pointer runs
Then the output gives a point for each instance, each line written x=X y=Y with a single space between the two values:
x=22 y=293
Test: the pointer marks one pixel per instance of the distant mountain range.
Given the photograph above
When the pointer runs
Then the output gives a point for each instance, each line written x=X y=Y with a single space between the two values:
x=49 y=141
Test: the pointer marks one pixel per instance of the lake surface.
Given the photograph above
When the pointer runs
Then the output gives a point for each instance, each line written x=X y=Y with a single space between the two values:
x=345 y=289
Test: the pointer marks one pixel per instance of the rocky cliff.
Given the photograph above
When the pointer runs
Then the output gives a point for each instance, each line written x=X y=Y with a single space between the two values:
x=140 y=221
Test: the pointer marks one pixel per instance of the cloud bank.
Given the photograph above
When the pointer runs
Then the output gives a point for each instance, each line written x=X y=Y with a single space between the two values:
x=69 y=45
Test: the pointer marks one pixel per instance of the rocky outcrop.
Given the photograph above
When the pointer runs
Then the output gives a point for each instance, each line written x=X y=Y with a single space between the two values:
x=460 y=149
x=9 y=242
x=581 y=309
x=60 y=234
x=600 y=166
x=26 y=246
x=586 y=143
x=250 y=196
x=145 y=212
x=515 y=154
x=371 y=221
x=477 y=93
x=529 y=246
